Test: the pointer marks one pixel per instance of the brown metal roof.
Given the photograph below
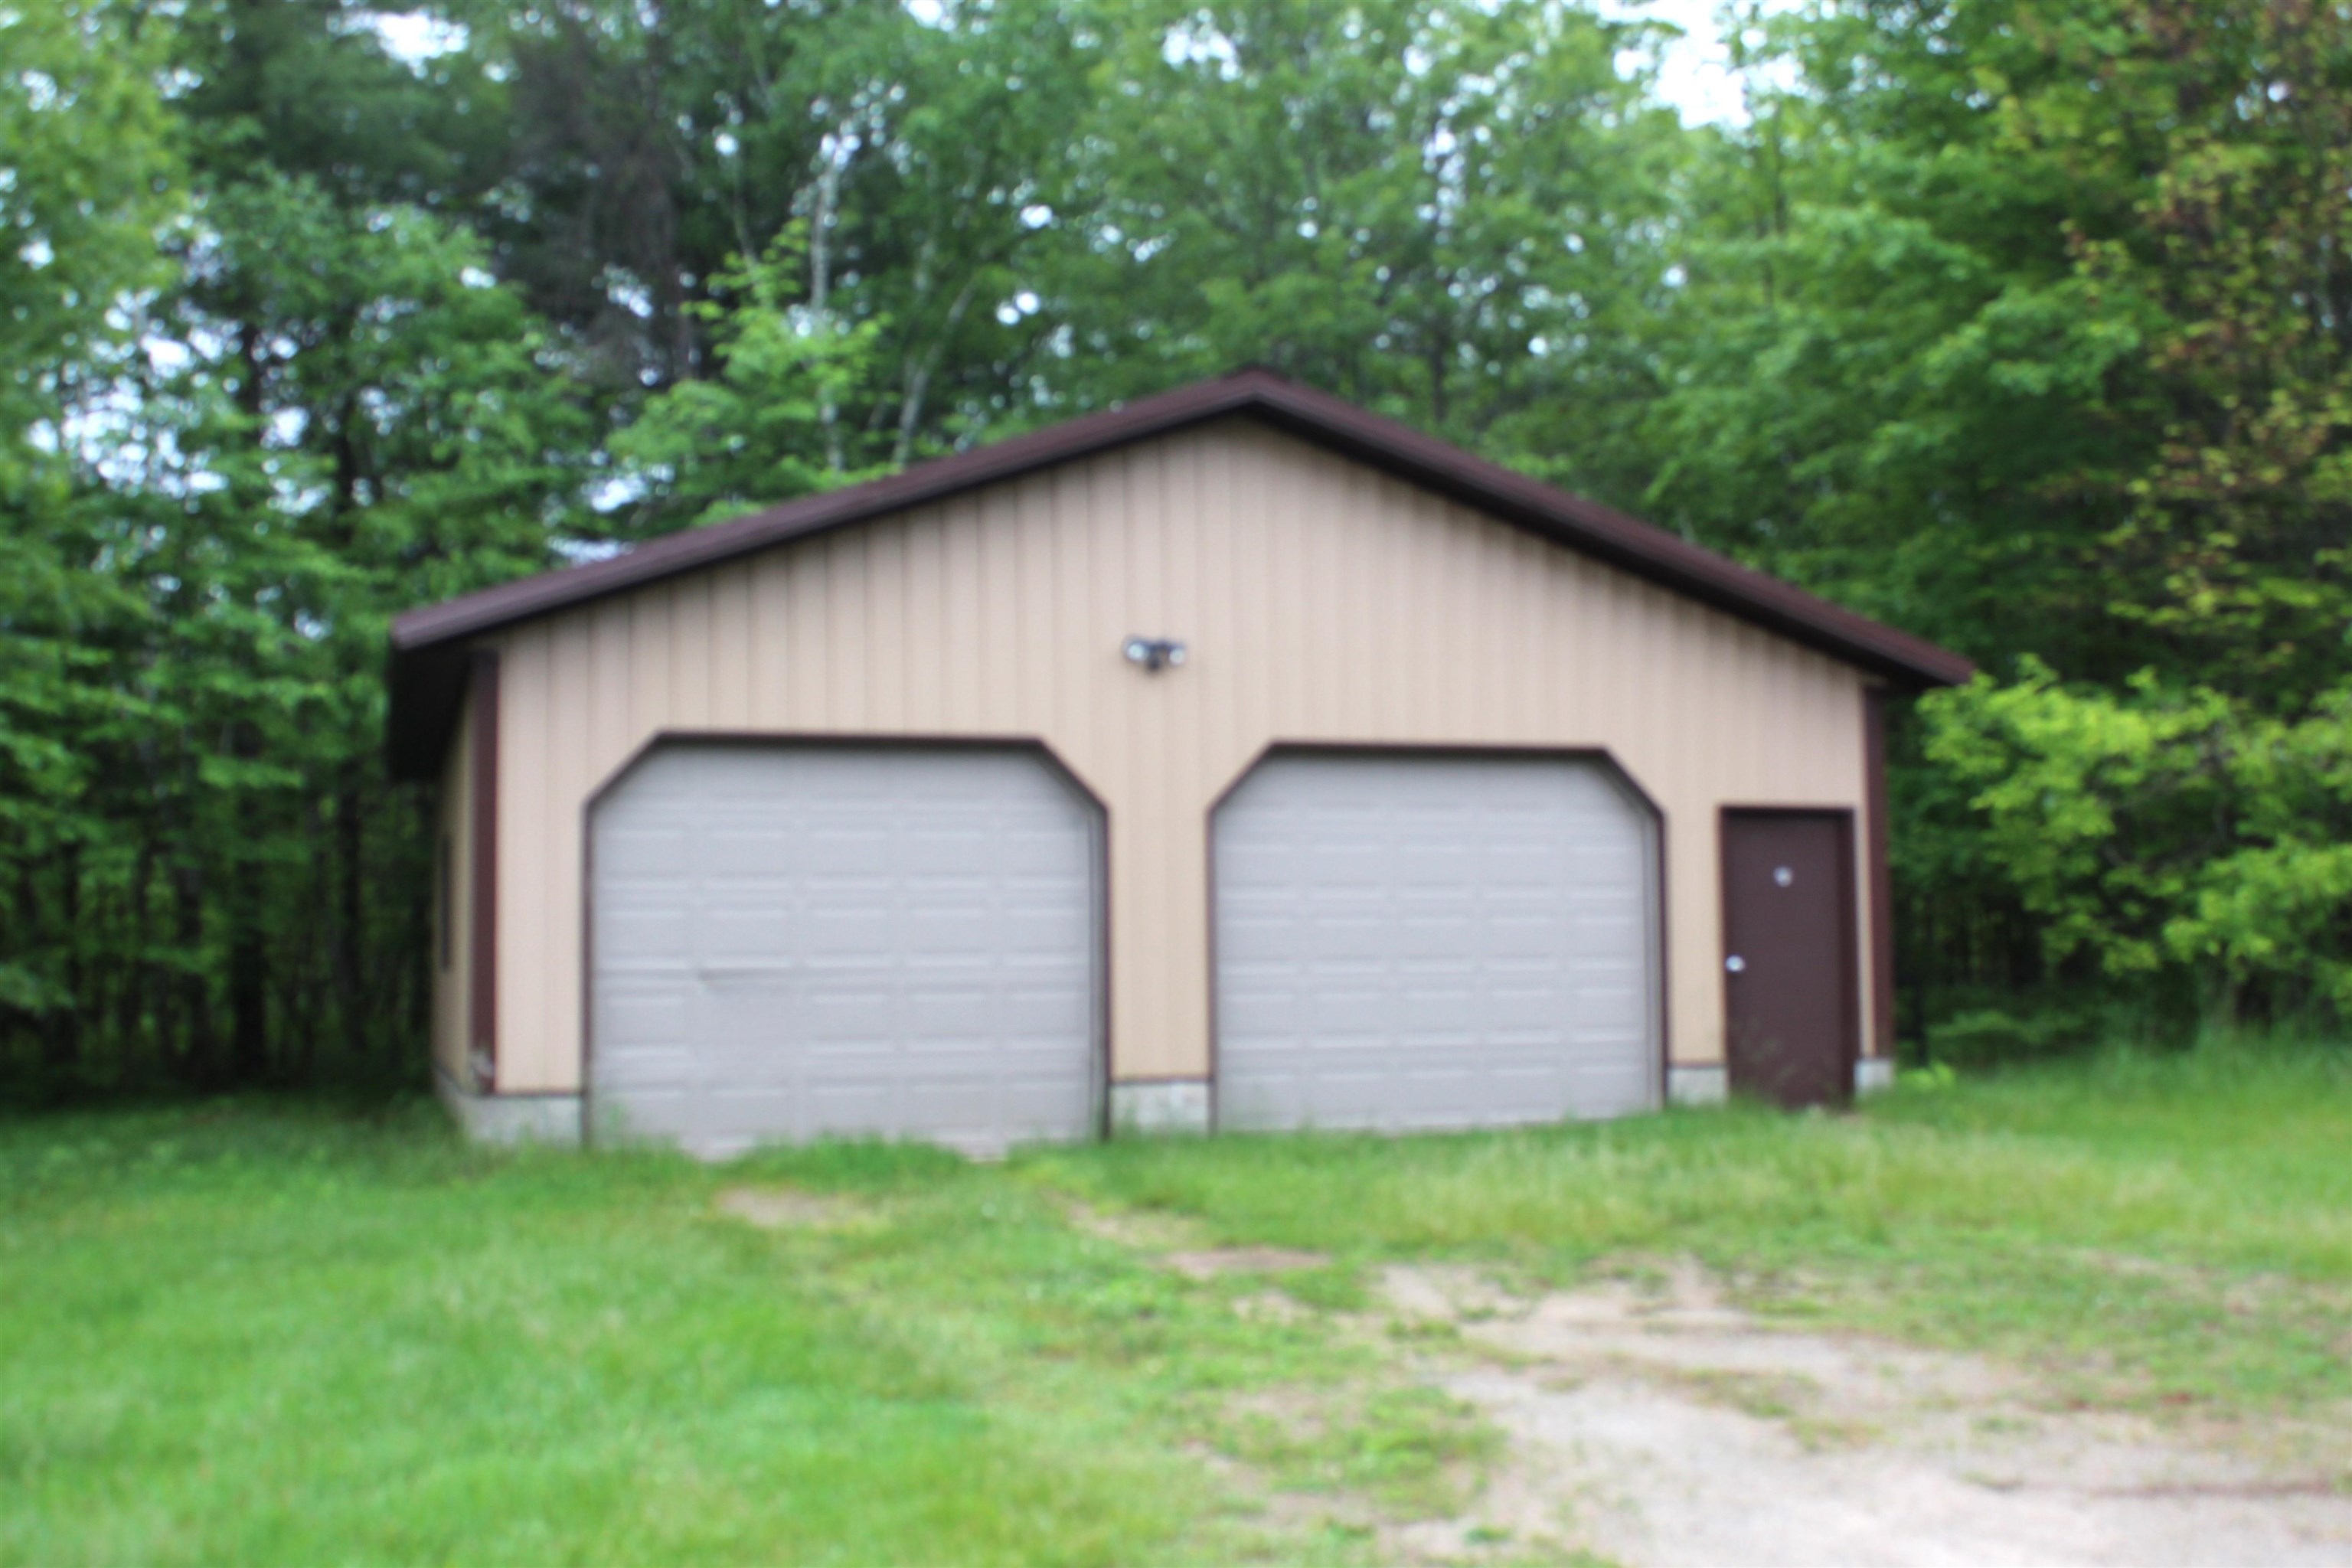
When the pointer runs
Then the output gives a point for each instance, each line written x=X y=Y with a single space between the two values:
x=427 y=670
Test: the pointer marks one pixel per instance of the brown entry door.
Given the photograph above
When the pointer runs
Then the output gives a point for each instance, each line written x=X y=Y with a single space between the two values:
x=1792 y=1009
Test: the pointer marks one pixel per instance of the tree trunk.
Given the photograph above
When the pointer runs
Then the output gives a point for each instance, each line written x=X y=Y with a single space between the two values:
x=835 y=153
x=60 y=1030
x=351 y=1000
x=199 y=1049
x=249 y=956
x=249 y=987
x=133 y=1026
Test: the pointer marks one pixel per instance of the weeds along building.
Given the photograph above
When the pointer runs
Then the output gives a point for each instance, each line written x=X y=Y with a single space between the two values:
x=1233 y=760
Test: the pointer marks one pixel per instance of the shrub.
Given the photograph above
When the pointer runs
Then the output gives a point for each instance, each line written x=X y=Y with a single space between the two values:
x=2163 y=828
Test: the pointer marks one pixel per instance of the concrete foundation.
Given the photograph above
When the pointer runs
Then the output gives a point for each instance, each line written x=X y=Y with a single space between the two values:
x=1701 y=1083
x=511 y=1118
x=1158 y=1108
x=1171 y=1106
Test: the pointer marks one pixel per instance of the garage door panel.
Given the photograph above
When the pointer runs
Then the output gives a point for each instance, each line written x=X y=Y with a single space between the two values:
x=948 y=1015
x=942 y=932
x=1342 y=1018
x=1509 y=936
x=830 y=848
x=1435 y=1012
x=632 y=851
x=736 y=935
x=1420 y=941
x=651 y=937
x=1260 y=1103
x=794 y=942
x=842 y=922
x=1527 y=1016
x=640 y=1013
x=662 y=1115
x=654 y=1075
x=738 y=844
x=1038 y=1109
x=1243 y=1015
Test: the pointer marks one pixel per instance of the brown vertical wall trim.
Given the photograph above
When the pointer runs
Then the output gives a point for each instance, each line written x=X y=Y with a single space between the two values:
x=1882 y=878
x=482 y=1006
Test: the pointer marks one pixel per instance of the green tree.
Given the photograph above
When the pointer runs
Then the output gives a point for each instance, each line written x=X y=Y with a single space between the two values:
x=756 y=432
x=327 y=406
x=2021 y=323
x=88 y=180
x=2161 y=830
x=1450 y=212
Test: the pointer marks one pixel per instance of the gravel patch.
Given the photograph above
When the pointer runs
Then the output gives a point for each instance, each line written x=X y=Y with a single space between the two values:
x=1654 y=1424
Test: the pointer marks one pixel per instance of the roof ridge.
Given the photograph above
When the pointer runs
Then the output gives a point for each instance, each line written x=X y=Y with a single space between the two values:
x=420 y=637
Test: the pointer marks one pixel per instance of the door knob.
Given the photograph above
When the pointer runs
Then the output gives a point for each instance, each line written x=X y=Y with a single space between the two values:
x=1735 y=963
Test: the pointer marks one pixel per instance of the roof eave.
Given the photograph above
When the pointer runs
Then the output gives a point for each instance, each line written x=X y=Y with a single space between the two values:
x=425 y=688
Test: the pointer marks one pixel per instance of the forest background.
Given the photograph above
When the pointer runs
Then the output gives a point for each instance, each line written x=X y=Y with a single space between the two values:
x=2024 y=324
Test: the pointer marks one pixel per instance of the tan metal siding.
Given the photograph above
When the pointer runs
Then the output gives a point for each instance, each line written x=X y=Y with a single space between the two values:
x=1321 y=600
x=453 y=983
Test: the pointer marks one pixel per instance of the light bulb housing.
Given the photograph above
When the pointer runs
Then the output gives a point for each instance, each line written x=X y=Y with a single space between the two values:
x=1154 y=654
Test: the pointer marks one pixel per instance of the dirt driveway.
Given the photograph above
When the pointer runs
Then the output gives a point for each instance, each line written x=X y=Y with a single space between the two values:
x=1654 y=1424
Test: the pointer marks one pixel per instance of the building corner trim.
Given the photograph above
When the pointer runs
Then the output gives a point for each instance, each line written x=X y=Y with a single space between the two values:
x=482 y=1005
x=1879 y=872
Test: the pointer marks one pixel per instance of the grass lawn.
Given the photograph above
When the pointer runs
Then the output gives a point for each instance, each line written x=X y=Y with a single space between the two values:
x=263 y=1332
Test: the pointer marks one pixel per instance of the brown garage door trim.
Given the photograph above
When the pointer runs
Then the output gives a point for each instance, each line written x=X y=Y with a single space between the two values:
x=845 y=740
x=1882 y=876
x=1661 y=943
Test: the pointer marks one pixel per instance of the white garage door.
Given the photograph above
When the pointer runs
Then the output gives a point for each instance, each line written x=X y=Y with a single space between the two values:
x=796 y=941
x=1433 y=941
